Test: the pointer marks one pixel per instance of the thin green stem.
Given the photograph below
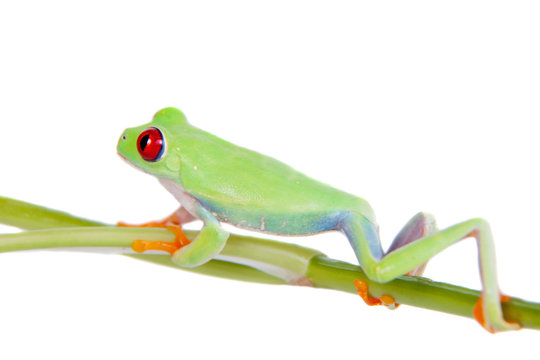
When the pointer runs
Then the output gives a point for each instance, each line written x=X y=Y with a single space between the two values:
x=28 y=216
x=65 y=230
x=102 y=236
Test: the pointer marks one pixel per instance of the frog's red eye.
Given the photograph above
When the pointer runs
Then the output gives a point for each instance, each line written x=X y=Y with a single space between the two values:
x=150 y=144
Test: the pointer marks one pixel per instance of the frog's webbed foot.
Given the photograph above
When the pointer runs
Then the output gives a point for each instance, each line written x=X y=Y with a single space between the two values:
x=489 y=319
x=185 y=253
x=385 y=300
x=180 y=240
x=173 y=223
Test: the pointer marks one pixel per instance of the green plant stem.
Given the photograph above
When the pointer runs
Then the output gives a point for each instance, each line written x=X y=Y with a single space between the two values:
x=122 y=238
x=60 y=229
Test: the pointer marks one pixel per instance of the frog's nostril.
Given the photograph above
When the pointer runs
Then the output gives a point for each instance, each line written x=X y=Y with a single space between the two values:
x=123 y=137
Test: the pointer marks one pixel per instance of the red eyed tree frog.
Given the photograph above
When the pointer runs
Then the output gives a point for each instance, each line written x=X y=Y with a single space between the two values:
x=216 y=181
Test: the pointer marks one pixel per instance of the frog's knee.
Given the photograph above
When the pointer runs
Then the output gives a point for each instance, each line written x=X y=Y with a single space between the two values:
x=373 y=272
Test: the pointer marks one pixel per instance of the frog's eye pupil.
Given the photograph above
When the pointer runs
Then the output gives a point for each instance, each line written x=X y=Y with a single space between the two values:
x=144 y=142
x=150 y=144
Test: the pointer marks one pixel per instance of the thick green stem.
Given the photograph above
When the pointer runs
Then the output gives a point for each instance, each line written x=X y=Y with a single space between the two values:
x=122 y=238
x=61 y=229
x=321 y=271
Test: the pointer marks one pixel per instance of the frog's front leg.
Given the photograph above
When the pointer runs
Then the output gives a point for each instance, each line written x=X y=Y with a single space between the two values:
x=173 y=223
x=364 y=238
x=207 y=245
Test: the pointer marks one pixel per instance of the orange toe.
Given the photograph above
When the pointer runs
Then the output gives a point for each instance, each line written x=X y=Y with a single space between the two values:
x=143 y=245
x=478 y=311
x=180 y=239
x=362 y=289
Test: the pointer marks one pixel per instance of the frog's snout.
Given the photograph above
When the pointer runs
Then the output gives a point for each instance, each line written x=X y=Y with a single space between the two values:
x=121 y=145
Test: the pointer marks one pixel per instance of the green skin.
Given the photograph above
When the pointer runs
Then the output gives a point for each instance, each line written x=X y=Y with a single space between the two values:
x=216 y=181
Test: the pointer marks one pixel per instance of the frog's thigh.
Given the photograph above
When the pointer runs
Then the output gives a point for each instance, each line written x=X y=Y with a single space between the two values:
x=421 y=225
x=363 y=237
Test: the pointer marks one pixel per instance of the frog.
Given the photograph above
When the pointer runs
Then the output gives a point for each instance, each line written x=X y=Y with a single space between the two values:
x=218 y=182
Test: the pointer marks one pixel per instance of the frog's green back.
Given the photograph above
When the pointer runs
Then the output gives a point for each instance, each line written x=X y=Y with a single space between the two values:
x=237 y=185
x=233 y=181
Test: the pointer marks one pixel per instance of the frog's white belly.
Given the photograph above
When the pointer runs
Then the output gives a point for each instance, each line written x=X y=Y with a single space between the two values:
x=187 y=201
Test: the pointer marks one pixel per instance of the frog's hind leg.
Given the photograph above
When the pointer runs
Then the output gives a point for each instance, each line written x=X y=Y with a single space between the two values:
x=363 y=237
x=421 y=225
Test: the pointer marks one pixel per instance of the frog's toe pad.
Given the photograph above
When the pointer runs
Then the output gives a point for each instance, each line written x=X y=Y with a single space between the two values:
x=179 y=242
x=490 y=325
x=141 y=246
x=386 y=300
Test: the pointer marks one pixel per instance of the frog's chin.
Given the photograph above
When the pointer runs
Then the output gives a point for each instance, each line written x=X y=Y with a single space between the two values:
x=149 y=172
x=122 y=156
x=132 y=164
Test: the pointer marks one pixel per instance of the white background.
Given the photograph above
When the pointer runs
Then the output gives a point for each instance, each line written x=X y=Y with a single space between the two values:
x=414 y=105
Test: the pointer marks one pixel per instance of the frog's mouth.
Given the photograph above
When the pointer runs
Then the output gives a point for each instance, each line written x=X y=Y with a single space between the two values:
x=135 y=166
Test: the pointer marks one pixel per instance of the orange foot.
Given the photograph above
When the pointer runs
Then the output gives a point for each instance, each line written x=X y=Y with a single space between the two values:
x=478 y=312
x=385 y=300
x=180 y=239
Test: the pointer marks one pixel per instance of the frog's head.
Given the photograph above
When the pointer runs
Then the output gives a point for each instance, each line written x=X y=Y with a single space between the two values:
x=150 y=147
